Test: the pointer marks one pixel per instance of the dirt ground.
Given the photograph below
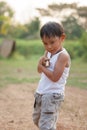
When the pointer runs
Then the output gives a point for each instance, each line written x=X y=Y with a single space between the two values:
x=16 y=106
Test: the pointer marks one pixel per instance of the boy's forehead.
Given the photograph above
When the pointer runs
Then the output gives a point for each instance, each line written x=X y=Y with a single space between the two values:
x=45 y=38
x=49 y=38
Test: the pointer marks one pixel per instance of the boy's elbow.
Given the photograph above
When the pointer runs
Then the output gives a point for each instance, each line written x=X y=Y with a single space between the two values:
x=55 y=79
x=39 y=71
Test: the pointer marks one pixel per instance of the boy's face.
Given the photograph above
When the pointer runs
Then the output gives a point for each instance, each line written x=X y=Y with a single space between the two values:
x=53 y=44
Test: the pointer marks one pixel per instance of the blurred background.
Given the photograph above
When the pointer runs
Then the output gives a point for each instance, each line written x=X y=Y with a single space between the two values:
x=20 y=43
x=20 y=50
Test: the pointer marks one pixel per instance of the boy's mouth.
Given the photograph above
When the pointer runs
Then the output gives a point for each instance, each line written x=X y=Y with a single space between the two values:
x=51 y=51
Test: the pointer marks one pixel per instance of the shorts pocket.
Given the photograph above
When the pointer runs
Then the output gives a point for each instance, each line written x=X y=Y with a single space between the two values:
x=57 y=97
x=47 y=105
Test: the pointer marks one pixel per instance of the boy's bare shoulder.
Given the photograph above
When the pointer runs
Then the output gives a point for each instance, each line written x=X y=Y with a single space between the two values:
x=64 y=55
x=64 y=58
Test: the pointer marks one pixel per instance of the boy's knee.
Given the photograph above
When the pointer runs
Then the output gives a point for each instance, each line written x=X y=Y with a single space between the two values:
x=46 y=125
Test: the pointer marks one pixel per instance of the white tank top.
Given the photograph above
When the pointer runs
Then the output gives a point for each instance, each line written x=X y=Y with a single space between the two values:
x=46 y=85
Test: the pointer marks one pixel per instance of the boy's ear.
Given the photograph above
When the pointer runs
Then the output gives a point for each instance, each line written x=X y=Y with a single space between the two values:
x=63 y=36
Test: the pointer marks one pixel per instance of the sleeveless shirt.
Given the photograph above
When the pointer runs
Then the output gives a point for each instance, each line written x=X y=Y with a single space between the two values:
x=48 y=86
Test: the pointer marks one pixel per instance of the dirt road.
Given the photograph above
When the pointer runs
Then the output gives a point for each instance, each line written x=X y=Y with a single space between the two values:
x=16 y=106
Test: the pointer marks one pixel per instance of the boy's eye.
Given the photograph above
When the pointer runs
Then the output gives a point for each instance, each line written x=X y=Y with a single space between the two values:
x=45 y=43
x=52 y=42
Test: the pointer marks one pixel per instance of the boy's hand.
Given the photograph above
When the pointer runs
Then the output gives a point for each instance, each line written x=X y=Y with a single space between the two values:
x=40 y=64
x=44 y=61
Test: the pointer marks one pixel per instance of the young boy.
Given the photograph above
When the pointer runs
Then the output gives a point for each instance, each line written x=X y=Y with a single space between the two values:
x=54 y=68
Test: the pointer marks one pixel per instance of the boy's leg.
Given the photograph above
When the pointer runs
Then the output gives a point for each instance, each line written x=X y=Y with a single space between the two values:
x=37 y=109
x=49 y=111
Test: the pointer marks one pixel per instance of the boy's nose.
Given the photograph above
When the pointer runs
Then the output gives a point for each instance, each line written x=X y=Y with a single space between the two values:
x=49 y=46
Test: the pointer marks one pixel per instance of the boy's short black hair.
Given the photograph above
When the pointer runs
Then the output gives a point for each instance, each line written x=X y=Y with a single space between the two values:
x=51 y=29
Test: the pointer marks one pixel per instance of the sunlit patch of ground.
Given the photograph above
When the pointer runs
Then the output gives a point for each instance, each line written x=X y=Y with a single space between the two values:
x=16 y=107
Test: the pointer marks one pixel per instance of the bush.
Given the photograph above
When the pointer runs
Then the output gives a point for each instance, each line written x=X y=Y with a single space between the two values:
x=83 y=44
x=73 y=48
x=29 y=47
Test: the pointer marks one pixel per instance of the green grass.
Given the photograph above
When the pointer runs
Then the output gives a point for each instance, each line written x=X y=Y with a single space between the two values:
x=14 y=71
x=78 y=74
x=18 y=71
x=22 y=67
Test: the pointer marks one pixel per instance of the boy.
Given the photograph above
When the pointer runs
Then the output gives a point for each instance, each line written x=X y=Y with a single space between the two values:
x=54 y=68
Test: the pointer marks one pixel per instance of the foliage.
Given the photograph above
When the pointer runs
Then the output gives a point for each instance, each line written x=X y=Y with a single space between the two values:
x=33 y=28
x=83 y=42
x=56 y=9
x=17 y=31
x=74 y=23
x=73 y=17
x=21 y=67
x=73 y=48
x=72 y=28
x=10 y=29
x=5 y=9
x=82 y=12
x=29 y=30
x=6 y=14
x=27 y=48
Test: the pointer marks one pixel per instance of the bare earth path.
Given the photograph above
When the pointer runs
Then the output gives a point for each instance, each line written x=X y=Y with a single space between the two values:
x=16 y=106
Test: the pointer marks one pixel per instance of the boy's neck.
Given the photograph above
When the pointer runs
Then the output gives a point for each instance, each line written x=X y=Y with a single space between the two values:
x=56 y=52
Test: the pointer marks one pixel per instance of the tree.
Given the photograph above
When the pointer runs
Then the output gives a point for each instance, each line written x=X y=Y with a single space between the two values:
x=17 y=31
x=82 y=12
x=28 y=30
x=58 y=10
x=33 y=28
x=6 y=14
x=73 y=17
x=72 y=28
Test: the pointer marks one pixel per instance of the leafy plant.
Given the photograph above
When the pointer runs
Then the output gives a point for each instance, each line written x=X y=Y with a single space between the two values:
x=83 y=42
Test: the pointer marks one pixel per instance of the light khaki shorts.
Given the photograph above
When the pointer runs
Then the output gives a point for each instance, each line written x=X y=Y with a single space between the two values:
x=46 y=108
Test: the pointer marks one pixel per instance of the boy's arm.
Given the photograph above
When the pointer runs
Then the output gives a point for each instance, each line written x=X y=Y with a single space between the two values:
x=58 y=69
x=40 y=63
x=41 y=60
